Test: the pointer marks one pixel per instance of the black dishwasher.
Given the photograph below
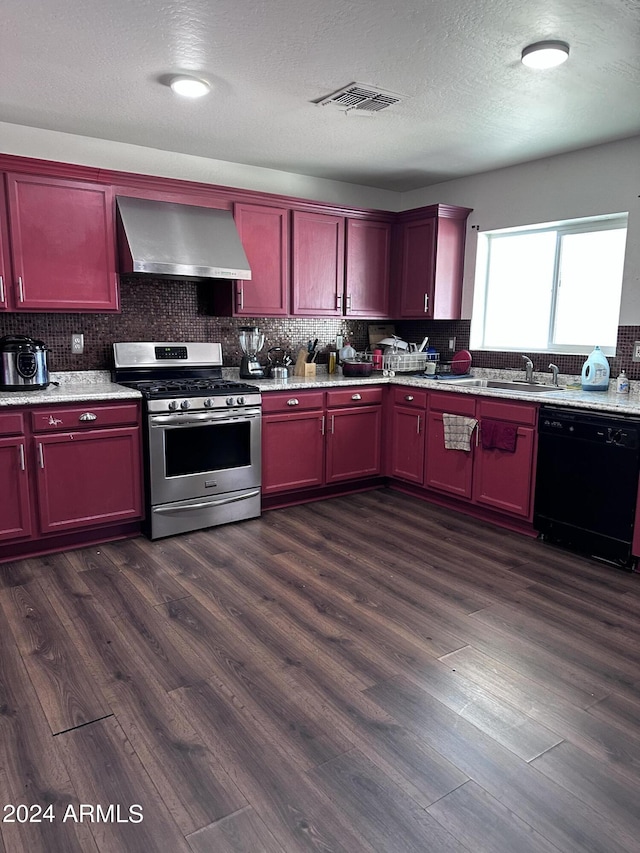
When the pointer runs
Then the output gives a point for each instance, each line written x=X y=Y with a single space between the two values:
x=587 y=482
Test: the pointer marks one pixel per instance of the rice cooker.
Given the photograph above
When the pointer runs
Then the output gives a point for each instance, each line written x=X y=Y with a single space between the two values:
x=23 y=363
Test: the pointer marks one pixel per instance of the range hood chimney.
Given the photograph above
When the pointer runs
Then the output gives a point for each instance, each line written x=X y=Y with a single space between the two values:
x=178 y=241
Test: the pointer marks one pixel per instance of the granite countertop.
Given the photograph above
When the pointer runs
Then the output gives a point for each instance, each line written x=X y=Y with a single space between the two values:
x=623 y=404
x=74 y=387
x=95 y=385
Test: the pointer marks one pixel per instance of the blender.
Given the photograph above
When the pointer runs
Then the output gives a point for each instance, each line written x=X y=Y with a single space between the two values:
x=251 y=342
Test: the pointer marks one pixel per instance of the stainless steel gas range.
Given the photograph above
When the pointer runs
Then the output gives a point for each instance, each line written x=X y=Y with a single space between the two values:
x=202 y=437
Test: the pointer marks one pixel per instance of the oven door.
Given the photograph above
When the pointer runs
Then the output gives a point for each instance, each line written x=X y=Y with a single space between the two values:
x=192 y=455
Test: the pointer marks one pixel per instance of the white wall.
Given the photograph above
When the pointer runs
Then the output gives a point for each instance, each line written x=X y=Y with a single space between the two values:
x=103 y=154
x=598 y=180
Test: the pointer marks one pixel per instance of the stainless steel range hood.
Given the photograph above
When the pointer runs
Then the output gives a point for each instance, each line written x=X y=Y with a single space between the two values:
x=178 y=241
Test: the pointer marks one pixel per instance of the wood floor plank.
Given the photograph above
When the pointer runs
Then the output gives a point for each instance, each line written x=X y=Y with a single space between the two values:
x=32 y=772
x=67 y=691
x=595 y=783
x=486 y=826
x=242 y=832
x=104 y=767
x=381 y=812
x=152 y=580
x=550 y=809
x=295 y=810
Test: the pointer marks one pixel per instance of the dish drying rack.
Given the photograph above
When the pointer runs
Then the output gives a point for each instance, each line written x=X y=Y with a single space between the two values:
x=403 y=362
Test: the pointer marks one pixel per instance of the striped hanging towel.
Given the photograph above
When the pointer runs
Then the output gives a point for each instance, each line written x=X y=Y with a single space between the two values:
x=458 y=431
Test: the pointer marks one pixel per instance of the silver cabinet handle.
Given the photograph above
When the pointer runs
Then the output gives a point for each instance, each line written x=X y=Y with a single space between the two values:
x=408 y=397
x=240 y=297
x=40 y=455
x=20 y=289
x=356 y=396
x=322 y=426
x=88 y=416
x=1 y=289
x=348 y=302
x=338 y=301
x=333 y=424
x=426 y=303
x=293 y=402
x=21 y=450
x=418 y=425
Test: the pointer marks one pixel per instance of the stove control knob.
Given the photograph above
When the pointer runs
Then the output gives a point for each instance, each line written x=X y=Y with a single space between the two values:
x=173 y=405
x=185 y=404
x=240 y=401
x=230 y=401
x=208 y=403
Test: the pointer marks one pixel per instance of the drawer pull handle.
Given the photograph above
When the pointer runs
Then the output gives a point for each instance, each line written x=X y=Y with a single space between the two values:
x=293 y=402
x=88 y=416
x=356 y=396
x=408 y=398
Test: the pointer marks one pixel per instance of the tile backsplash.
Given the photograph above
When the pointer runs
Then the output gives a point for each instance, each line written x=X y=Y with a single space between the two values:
x=173 y=311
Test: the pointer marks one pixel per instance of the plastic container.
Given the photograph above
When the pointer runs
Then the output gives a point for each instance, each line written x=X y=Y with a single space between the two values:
x=347 y=351
x=595 y=372
x=622 y=383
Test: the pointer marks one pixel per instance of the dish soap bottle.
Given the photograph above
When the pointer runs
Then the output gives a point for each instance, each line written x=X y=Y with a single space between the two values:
x=622 y=383
x=595 y=372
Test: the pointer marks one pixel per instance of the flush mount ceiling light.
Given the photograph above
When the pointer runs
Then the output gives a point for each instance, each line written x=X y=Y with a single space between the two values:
x=189 y=87
x=545 y=54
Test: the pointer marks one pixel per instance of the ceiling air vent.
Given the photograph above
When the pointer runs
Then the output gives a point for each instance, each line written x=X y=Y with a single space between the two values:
x=359 y=98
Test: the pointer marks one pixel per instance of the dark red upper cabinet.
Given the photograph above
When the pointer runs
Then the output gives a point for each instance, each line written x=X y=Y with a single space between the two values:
x=431 y=261
x=318 y=265
x=62 y=241
x=368 y=250
x=5 y=279
x=264 y=232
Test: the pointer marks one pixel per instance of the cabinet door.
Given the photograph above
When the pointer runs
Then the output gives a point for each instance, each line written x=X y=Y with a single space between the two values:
x=5 y=279
x=353 y=443
x=264 y=232
x=88 y=478
x=15 y=518
x=407 y=444
x=503 y=480
x=62 y=245
x=446 y=470
x=318 y=265
x=418 y=268
x=367 y=268
x=292 y=451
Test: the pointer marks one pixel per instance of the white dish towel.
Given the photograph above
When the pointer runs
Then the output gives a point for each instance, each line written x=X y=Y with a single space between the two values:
x=458 y=431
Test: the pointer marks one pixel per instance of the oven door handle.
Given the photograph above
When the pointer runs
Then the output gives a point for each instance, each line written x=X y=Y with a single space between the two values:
x=182 y=420
x=204 y=504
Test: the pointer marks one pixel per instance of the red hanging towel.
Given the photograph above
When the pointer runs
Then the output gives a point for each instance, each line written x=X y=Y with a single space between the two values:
x=497 y=435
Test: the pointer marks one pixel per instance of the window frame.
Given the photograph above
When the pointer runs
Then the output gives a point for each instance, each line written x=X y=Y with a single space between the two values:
x=608 y=222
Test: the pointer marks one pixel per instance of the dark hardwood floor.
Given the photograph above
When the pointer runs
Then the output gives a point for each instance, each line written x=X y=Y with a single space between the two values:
x=369 y=673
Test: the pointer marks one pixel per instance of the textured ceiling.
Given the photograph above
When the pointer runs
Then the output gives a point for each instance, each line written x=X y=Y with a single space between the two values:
x=95 y=68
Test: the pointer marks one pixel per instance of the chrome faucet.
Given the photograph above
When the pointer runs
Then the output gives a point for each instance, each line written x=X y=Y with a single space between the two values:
x=528 y=366
x=554 y=370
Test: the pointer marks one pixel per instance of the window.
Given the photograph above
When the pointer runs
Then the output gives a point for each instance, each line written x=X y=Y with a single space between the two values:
x=550 y=288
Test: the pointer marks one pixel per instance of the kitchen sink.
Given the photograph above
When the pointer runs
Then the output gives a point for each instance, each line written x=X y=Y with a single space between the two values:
x=505 y=385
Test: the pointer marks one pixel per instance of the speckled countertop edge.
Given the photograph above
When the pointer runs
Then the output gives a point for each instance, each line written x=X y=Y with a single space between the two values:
x=95 y=385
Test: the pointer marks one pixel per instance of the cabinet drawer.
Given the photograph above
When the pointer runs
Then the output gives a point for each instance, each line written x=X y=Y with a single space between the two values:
x=411 y=397
x=454 y=404
x=11 y=424
x=87 y=416
x=354 y=396
x=521 y=413
x=295 y=401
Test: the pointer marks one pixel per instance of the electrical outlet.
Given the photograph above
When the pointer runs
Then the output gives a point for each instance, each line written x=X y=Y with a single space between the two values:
x=77 y=343
x=636 y=351
x=452 y=343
